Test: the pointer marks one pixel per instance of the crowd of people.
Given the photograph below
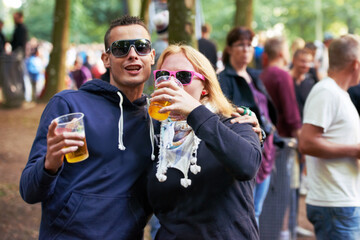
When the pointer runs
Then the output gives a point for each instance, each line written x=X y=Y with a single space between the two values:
x=30 y=57
x=230 y=168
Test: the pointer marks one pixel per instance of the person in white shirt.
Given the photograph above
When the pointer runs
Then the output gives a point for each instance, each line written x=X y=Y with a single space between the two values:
x=330 y=138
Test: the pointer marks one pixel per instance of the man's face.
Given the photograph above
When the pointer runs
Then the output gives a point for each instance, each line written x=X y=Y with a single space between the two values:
x=302 y=62
x=16 y=18
x=132 y=70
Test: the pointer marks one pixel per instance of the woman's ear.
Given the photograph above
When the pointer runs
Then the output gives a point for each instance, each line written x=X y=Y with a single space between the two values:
x=204 y=92
x=228 y=50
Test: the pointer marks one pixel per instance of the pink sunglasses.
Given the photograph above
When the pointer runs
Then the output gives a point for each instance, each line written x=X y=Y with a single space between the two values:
x=184 y=76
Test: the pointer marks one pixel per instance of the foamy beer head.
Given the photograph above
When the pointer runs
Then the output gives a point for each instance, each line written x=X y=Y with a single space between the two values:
x=73 y=122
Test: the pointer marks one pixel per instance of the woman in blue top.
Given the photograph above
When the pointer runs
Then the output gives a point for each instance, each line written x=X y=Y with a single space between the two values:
x=201 y=186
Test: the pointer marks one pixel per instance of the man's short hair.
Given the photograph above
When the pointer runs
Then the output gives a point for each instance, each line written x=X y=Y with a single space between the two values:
x=19 y=14
x=123 y=21
x=343 y=50
x=301 y=52
x=274 y=46
x=206 y=28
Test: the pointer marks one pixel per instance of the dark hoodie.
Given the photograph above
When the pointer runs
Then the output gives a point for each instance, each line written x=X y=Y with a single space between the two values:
x=103 y=197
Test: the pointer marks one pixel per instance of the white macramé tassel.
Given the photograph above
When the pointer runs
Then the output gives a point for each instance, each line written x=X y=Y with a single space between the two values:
x=161 y=177
x=185 y=182
x=195 y=169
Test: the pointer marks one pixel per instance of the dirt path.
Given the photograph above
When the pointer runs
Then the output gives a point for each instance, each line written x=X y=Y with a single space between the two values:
x=19 y=220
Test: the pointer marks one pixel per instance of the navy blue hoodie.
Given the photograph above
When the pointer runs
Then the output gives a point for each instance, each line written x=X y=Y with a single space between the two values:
x=103 y=197
x=219 y=204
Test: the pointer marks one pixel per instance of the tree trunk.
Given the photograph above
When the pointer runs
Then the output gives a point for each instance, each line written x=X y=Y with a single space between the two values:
x=144 y=13
x=134 y=7
x=182 y=22
x=56 y=71
x=319 y=18
x=244 y=13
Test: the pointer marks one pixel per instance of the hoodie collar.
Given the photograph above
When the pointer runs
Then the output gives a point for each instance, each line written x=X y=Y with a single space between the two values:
x=110 y=92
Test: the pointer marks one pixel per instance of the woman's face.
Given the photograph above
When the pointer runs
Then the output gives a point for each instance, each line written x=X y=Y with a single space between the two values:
x=178 y=61
x=241 y=52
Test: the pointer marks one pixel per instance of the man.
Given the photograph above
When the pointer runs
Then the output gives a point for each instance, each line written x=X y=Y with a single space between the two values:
x=2 y=38
x=104 y=196
x=20 y=35
x=355 y=96
x=330 y=138
x=207 y=47
x=303 y=83
x=303 y=80
x=280 y=87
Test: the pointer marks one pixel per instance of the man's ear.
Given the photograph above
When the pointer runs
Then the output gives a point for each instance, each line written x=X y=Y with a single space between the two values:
x=356 y=65
x=105 y=57
x=152 y=56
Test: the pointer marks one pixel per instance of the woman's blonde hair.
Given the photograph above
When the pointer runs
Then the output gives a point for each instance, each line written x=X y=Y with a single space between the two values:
x=202 y=65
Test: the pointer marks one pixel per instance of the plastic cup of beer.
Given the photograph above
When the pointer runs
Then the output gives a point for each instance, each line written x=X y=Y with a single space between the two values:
x=157 y=105
x=73 y=122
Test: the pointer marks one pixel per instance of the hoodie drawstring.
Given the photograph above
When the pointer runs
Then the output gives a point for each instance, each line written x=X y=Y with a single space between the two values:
x=152 y=134
x=121 y=123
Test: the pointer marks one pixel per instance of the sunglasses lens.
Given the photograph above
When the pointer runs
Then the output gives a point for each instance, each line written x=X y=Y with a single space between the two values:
x=161 y=73
x=120 y=48
x=143 y=46
x=184 y=77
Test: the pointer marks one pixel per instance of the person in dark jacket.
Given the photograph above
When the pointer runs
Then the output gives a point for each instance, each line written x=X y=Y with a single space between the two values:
x=2 y=38
x=243 y=87
x=354 y=93
x=104 y=196
x=201 y=186
x=20 y=35
x=206 y=46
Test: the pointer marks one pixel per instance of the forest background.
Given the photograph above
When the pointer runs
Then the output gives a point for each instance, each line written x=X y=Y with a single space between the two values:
x=89 y=19
x=65 y=22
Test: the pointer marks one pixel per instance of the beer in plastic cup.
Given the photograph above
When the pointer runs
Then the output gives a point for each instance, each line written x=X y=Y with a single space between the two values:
x=157 y=105
x=73 y=122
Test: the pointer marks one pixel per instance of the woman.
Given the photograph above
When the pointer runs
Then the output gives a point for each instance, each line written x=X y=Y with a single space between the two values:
x=243 y=87
x=201 y=186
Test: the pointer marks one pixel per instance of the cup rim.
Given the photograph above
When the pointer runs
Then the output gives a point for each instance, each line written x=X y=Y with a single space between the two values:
x=170 y=78
x=69 y=114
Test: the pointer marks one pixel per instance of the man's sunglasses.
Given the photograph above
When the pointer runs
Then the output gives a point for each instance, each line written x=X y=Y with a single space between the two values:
x=184 y=76
x=121 y=48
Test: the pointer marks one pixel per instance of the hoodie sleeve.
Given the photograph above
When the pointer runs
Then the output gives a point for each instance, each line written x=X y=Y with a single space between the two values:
x=35 y=183
x=236 y=146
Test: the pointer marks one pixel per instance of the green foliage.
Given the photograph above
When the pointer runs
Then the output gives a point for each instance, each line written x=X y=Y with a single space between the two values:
x=220 y=14
x=89 y=18
x=39 y=18
x=92 y=18
x=298 y=17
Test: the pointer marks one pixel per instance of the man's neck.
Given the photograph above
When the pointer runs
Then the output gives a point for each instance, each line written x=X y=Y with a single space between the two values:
x=132 y=93
x=297 y=75
x=277 y=62
x=342 y=78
